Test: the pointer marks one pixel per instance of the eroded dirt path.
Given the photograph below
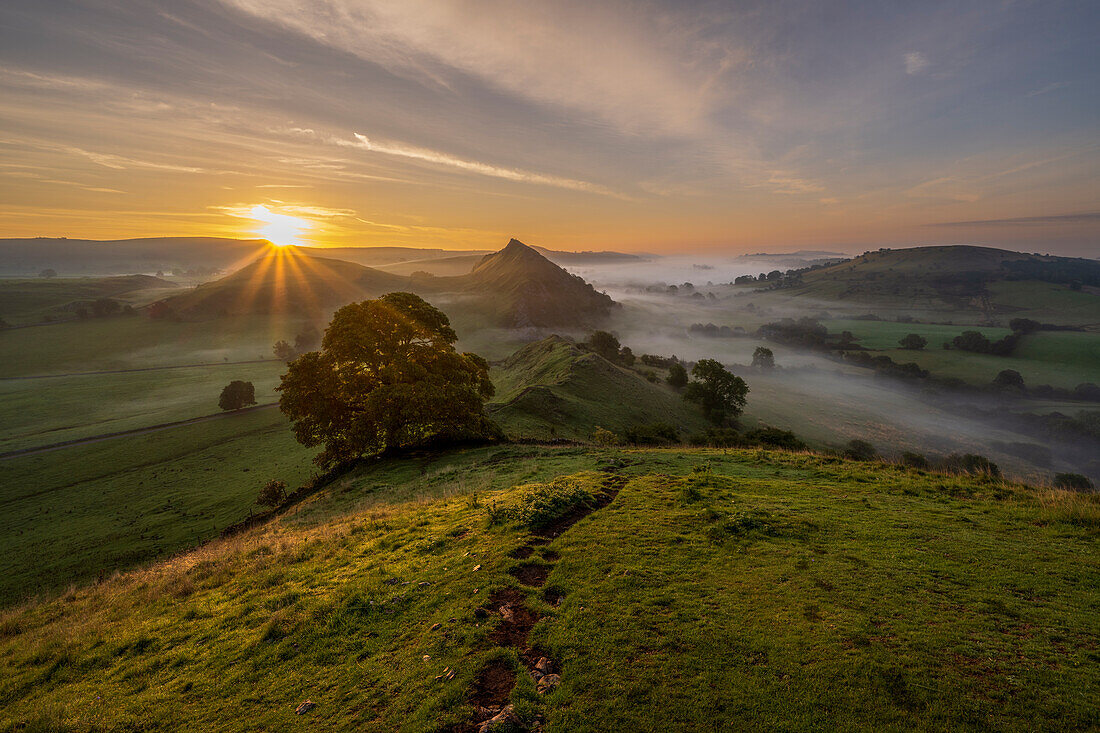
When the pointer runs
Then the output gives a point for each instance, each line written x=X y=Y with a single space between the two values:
x=495 y=682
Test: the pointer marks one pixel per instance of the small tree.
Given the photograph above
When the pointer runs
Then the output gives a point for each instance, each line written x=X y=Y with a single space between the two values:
x=307 y=340
x=272 y=494
x=720 y=393
x=604 y=344
x=1008 y=379
x=763 y=358
x=677 y=376
x=626 y=356
x=237 y=394
x=913 y=342
x=284 y=351
x=48 y=273
x=915 y=460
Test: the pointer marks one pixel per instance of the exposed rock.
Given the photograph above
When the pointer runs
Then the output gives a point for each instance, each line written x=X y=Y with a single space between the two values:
x=435 y=626
x=505 y=718
x=543 y=665
x=305 y=707
x=548 y=683
x=476 y=568
x=507 y=614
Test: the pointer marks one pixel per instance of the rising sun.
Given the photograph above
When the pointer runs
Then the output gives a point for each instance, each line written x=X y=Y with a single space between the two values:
x=281 y=230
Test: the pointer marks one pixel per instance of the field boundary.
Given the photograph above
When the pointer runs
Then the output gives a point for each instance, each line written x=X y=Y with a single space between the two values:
x=133 y=431
x=138 y=369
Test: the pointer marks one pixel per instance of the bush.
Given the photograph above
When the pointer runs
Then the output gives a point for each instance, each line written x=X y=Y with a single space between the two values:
x=774 y=438
x=915 y=460
x=1008 y=379
x=543 y=504
x=860 y=450
x=971 y=463
x=657 y=433
x=913 y=341
x=603 y=437
x=1072 y=481
x=272 y=494
x=677 y=376
x=716 y=438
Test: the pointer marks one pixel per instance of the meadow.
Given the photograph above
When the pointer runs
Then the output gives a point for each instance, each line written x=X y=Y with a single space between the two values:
x=82 y=512
x=756 y=589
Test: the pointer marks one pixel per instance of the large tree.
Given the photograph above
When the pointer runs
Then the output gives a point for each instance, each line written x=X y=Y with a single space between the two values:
x=387 y=376
x=720 y=393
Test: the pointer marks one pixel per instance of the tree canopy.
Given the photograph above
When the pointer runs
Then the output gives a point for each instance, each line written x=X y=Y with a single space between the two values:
x=913 y=342
x=237 y=394
x=720 y=393
x=763 y=358
x=387 y=377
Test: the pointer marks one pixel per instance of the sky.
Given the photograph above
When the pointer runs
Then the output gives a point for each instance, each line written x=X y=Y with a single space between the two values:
x=665 y=127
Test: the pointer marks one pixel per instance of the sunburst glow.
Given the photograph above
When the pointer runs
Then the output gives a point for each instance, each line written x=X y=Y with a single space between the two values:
x=282 y=230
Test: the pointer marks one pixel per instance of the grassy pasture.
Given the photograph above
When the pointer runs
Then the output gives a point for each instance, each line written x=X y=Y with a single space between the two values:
x=37 y=412
x=137 y=342
x=1058 y=358
x=74 y=513
x=765 y=590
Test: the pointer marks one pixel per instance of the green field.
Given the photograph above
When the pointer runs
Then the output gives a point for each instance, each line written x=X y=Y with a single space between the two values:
x=754 y=590
x=1059 y=358
x=137 y=342
x=76 y=513
x=39 y=412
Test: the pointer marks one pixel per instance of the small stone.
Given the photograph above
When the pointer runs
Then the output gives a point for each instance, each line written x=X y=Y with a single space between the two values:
x=506 y=613
x=423 y=582
x=543 y=665
x=476 y=568
x=435 y=626
x=549 y=682
x=427 y=657
x=305 y=707
x=506 y=717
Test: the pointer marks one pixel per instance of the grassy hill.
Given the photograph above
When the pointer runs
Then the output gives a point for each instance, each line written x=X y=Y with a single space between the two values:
x=515 y=287
x=745 y=589
x=554 y=389
x=25 y=302
x=284 y=283
x=960 y=282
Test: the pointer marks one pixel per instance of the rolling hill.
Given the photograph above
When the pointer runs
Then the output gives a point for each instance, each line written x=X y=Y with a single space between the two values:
x=516 y=286
x=554 y=389
x=83 y=257
x=981 y=282
x=593 y=589
x=285 y=282
x=23 y=302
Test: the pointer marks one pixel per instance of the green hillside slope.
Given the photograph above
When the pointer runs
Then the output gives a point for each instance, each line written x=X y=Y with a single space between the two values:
x=554 y=389
x=743 y=590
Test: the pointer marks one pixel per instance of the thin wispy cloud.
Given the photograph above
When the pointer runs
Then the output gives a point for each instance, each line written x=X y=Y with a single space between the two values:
x=915 y=63
x=1054 y=86
x=1091 y=217
x=485 y=169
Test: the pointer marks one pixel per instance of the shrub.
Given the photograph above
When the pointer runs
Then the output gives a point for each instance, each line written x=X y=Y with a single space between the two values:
x=272 y=494
x=774 y=438
x=543 y=504
x=913 y=341
x=657 y=433
x=603 y=437
x=1072 y=481
x=1008 y=379
x=971 y=463
x=763 y=358
x=716 y=438
x=860 y=450
x=915 y=460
